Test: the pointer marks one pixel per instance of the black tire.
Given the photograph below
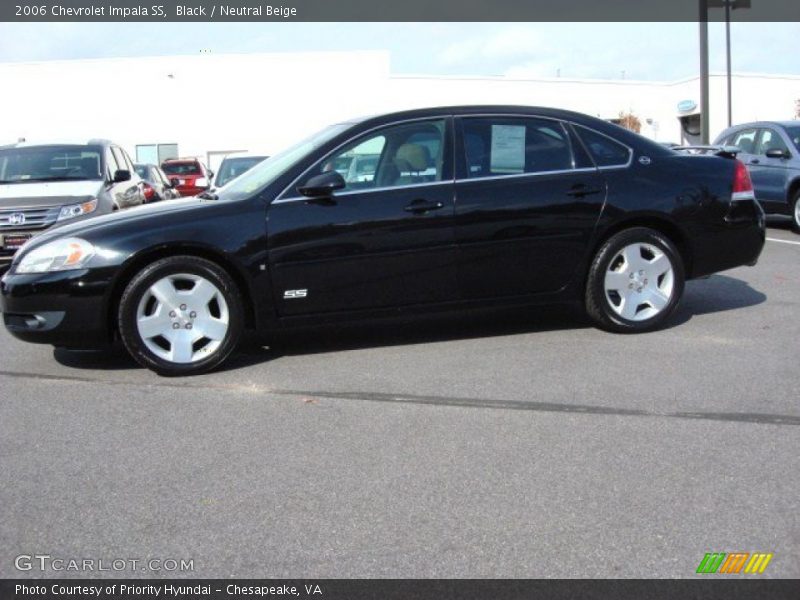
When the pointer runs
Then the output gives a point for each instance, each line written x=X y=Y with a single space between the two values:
x=599 y=306
x=795 y=214
x=140 y=284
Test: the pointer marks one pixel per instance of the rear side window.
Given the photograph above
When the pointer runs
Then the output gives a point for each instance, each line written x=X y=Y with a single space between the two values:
x=514 y=146
x=605 y=151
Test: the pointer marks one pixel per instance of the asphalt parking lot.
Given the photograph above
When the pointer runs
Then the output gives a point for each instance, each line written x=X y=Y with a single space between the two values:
x=500 y=445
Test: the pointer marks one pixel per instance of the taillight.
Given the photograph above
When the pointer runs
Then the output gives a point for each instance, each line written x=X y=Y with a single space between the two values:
x=742 y=185
x=149 y=192
x=201 y=182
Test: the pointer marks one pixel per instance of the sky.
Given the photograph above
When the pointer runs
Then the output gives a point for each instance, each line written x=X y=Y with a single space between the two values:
x=646 y=51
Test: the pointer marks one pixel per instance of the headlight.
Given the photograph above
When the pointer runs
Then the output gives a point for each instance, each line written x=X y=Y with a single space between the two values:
x=76 y=210
x=58 y=255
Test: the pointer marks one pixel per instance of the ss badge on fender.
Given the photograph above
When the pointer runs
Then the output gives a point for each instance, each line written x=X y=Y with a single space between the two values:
x=291 y=294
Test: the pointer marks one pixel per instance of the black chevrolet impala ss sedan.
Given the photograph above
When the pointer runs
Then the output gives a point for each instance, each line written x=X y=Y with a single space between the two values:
x=442 y=208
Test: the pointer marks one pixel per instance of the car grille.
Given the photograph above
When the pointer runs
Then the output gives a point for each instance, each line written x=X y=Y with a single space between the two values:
x=33 y=218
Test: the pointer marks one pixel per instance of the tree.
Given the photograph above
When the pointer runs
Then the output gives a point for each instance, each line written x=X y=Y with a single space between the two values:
x=630 y=121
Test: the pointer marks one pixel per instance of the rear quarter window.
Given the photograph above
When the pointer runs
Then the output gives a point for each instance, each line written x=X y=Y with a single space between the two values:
x=604 y=151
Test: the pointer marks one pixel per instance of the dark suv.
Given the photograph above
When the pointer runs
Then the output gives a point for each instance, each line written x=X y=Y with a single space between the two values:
x=42 y=185
x=771 y=151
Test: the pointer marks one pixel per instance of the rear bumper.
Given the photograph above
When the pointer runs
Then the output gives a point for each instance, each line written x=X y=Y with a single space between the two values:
x=63 y=309
x=190 y=190
x=736 y=242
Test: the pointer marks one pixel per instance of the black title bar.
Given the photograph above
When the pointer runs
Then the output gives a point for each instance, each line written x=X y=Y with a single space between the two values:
x=406 y=10
x=711 y=588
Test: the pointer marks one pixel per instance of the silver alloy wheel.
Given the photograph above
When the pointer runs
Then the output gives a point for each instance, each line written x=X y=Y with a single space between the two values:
x=182 y=318
x=639 y=282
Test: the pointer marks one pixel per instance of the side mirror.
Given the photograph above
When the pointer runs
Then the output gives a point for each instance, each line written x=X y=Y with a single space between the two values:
x=173 y=181
x=121 y=175
x=323 y=185
x=777 y=153
x=210 y=175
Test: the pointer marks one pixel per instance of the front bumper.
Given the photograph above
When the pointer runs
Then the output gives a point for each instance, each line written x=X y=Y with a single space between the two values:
x=67 y=308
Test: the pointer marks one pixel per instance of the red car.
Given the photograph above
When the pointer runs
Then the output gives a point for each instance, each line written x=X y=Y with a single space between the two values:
x=188 y=175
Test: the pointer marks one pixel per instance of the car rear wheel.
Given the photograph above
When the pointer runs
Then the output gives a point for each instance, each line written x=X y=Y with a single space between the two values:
x=796 y=212
x=635 y=282
x=181 y=315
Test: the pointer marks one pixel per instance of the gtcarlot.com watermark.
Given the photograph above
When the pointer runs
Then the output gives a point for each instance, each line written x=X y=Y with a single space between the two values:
x=46 y=562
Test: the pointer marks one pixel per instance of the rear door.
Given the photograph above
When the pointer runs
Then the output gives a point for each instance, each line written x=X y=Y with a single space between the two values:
x=385 y=240
x=527 y=200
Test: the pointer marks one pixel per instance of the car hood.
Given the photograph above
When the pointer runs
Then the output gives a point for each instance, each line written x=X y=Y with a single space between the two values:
x=142 y=213
x=40 y=193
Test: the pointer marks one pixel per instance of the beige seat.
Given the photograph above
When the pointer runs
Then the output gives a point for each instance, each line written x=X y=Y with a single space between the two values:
x=412 y=160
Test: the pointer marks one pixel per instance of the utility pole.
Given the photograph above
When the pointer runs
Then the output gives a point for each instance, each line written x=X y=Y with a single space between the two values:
x=704 y=109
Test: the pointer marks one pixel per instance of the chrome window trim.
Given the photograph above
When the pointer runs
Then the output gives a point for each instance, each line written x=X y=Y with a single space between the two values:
x=536 y=174
x=279 y=198
x=346 y=193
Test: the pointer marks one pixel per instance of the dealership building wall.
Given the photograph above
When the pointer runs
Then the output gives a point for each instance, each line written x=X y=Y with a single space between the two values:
x=211 y=104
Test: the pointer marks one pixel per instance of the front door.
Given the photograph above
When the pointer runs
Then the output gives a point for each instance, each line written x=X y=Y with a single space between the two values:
x=385 y=240
x=770 y=175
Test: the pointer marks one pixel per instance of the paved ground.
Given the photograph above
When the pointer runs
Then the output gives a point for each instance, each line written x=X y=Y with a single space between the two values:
x=505 y=445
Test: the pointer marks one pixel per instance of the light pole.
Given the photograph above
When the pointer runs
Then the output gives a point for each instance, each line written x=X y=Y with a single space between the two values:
x=728 y=5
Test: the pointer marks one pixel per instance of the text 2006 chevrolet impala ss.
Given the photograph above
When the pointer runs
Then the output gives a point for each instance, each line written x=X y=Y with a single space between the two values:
x=427 y=209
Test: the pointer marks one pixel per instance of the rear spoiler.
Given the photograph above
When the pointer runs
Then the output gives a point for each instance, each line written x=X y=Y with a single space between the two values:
x=725 y=151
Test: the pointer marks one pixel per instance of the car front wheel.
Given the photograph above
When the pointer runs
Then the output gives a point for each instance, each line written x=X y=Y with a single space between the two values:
x=796 y=212
x=635 y=281
x=182 y=315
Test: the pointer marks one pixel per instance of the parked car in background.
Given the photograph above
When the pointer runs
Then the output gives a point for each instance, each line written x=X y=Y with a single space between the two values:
x=233 y=166
x=771 y=151
x=465 y=207
x=42 y=185
x=188 y=175
x=157 y=186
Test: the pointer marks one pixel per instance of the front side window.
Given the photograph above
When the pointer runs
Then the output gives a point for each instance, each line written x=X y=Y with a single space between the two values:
x=398 y=155
x=770 y=140
x=745 y=140
x=605 y=151
x=50 y=163
x=514 y=146
x=793 y=132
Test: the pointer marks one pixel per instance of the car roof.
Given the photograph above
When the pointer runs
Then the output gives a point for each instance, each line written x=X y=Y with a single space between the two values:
x=762 y=124
x=188 y=159
x=72 y=142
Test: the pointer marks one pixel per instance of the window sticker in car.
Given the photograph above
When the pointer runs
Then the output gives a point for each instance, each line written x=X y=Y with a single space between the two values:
x=508 y=149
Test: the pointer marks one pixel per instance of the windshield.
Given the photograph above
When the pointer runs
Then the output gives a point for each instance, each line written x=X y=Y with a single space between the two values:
x=181 y=168
x=269 y=170
x=50 y=163
x=794 y=135
x=141 y=171
x=233 y=167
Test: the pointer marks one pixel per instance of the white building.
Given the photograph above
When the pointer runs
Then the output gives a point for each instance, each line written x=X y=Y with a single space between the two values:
x=210 y=104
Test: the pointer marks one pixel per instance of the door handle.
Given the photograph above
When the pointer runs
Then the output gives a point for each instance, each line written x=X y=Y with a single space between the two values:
x=579 y=190
x=754 y=161
x=420 y=206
